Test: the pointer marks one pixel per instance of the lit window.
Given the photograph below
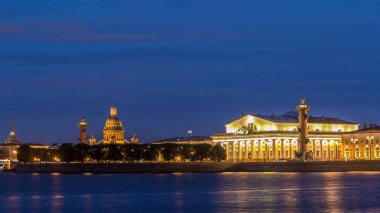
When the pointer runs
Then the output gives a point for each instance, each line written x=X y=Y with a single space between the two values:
x=346 y=153
x=357 y=152
x=367 y=152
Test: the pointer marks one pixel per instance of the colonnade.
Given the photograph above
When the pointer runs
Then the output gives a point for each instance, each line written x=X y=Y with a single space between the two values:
x=275 y=149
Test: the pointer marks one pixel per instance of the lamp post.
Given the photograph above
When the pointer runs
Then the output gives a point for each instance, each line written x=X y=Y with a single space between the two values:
x=370 y=138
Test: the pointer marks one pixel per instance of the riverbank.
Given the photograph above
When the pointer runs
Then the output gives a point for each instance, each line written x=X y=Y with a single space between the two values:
x=205 y=167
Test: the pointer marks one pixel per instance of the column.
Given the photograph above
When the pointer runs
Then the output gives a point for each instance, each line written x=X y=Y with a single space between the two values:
x=282 y=149
x=274 y=151
x=321 y=149
x=228 y=151
x=233 y=157
x=253 y=150
x=328 y=149
x=259 y=150
x=246 y=150
x=239 y=150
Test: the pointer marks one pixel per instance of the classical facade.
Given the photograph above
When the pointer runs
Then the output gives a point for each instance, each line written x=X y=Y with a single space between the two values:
x=362 y=144
x=113 y=131
x=275 y=138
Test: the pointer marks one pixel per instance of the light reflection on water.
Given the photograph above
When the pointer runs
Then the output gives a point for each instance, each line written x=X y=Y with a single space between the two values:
x=226 y=192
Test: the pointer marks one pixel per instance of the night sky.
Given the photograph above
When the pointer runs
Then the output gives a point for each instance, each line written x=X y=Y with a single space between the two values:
x=170 y=66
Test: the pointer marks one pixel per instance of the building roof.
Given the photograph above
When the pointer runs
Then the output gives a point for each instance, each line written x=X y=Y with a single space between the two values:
x=113 y=123
x=12 y=140
x=292 y=117
x=370 y=129
x=182 y=139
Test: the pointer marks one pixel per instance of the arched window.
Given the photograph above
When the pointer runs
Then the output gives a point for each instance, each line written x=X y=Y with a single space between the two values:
x=367 y=152
x=377 y=151
x=346 y=153
x=357 y=152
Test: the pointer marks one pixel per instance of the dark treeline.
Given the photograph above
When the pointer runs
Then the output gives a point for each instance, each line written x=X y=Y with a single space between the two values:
x=126 y=153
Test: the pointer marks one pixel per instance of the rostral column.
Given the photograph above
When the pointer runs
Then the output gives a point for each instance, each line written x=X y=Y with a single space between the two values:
x=82 y=131
x=303 y=139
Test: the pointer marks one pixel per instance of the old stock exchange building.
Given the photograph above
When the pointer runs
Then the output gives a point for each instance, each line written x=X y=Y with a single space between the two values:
x=275 y=137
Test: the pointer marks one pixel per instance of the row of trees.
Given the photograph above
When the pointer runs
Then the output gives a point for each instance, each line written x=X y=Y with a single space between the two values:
x=130 y=153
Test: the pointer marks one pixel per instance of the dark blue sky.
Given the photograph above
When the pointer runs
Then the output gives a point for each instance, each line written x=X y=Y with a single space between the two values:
x=175 y=65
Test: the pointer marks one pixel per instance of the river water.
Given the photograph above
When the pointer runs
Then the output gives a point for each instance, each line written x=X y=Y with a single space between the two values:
x=225 y=192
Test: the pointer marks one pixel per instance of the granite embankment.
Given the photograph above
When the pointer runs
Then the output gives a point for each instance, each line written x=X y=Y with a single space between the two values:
x=205 y=167
x=122 y=167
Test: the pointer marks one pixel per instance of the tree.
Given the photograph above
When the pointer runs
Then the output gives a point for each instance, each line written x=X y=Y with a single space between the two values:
x=66 y=152
x=202 y=151
x=81 y=151
x=168 y=151
x=187 y=152
x=24 y=153
x=96 y=152
x=113 y=152
x=134 y=152
x=149 y=152
x=43 y=155
x=218 y=153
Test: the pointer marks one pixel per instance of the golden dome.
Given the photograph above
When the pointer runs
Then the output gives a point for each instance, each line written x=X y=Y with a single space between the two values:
x=134 y=139
x=113 y=122
x=92 y=140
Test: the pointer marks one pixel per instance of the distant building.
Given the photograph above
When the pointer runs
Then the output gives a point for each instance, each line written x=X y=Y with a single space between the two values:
x=134 y=139
x=185 y=140
x=12 y=139
x=362 y=144
x=273 y=137
x=113 y=132
x=92 y=140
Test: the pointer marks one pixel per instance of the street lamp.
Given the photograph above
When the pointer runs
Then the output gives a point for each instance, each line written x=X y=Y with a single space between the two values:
x=370 y=138
x=354 y=140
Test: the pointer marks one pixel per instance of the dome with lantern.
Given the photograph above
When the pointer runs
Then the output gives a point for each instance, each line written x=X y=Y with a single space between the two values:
x=134 y=139
x=113 y=122
x=113 y=131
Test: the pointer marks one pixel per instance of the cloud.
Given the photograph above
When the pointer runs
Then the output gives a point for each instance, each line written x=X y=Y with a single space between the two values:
x=11 y=28
x=56 y=32
x=75 y=32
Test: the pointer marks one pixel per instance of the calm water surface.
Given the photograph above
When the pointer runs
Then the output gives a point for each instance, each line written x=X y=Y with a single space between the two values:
x=227 y=192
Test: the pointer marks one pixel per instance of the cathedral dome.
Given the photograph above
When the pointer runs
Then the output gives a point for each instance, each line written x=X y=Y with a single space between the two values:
x=113 y=130
x=113 y=123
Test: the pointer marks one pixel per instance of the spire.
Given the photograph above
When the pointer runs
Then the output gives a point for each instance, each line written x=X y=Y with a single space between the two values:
x=12 y=123
x=12 y=136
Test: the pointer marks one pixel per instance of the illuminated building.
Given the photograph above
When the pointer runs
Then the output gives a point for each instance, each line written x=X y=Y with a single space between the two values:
x=8 y=150
x=113 y=130
x=82 y=131
x=272 y=137
x=362 y=144
x=92 y=140
x=134 y=139
x=12 y=139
